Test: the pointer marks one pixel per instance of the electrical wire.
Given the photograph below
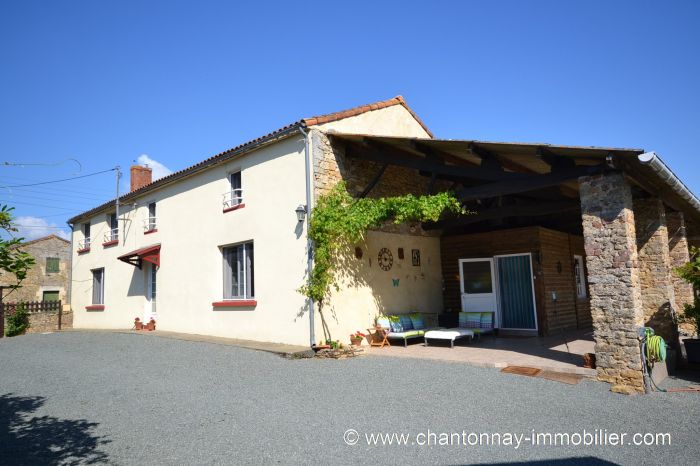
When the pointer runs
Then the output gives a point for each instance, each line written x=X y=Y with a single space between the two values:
x=60 y=181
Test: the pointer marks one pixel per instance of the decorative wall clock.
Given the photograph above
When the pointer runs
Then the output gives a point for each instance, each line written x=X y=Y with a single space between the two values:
x=386 y=260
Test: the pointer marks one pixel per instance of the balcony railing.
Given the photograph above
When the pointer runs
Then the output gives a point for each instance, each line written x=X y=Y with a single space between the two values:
x=149 y=224
x=112 y=235
x=233 y=198
x=84 y=244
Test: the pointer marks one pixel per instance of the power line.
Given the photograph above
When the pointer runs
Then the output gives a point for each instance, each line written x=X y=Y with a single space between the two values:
x=59 y=181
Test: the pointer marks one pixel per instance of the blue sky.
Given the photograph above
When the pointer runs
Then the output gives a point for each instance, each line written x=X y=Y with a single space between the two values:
x=107 y=82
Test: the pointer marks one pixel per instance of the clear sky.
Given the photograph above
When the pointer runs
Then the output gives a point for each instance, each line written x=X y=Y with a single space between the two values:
x=105 y=83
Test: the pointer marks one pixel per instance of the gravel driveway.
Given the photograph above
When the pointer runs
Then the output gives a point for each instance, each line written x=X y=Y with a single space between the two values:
x=135 y=399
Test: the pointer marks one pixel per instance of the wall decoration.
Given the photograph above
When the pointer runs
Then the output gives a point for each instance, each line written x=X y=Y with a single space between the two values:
x=358 y=252
x=401 y=253
x=385 y=259
x=395 y=281
x=415 y=255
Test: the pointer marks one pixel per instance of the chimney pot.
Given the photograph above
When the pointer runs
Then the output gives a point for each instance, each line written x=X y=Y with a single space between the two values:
x=140 y=176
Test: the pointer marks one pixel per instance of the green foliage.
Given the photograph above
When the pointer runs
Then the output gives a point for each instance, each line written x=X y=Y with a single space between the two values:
x=12 y=259
x=17 y=323
x=339 y=220
x=691 y=314
x=690 y=271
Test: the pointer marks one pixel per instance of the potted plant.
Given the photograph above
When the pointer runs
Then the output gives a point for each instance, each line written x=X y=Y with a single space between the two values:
x=138 y=325
x=151 y=325
x=692 y=345
x=356 y=338
x=690 y=272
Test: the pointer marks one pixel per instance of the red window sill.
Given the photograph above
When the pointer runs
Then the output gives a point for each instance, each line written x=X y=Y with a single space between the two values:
x=83 y=251
x=110 y=243
x=236 y=303
x=95 y=307
x=150 y=231
x=236 y=207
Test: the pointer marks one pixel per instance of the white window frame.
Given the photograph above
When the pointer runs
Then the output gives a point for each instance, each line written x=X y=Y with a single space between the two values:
x=580 y=277
x=247 y=274
x=101 y=297
x=234 y=196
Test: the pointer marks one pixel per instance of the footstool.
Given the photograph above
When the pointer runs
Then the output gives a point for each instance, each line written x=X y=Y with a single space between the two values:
x=451 y=334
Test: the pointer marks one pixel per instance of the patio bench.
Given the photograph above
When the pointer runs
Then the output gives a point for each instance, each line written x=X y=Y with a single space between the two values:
x=405 y=326
x=478 y=322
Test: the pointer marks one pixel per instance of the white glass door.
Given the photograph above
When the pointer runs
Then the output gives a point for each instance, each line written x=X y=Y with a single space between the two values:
x=477 y=285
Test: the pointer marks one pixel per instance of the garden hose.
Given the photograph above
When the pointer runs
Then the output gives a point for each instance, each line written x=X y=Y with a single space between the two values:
x=653 y=350
x=656 y=347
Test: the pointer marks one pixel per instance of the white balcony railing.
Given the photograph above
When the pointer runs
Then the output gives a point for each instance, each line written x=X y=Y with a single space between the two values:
x=233 y=198
x=112 y=235
x=149 y=224
x=84 y=244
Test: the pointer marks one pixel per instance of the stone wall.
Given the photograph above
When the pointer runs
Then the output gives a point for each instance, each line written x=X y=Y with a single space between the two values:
x=332 y=166
x=38 y=279
x=679 y=255
x=40 y=322
x=658 y=298
x=613 y=278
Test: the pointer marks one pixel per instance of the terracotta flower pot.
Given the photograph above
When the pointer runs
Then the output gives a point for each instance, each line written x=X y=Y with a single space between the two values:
x=356 y=341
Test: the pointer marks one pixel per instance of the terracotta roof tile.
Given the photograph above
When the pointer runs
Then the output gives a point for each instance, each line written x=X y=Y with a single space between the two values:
x=240 y=149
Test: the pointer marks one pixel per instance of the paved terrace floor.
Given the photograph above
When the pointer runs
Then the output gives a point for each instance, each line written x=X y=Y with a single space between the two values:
x=562 y=353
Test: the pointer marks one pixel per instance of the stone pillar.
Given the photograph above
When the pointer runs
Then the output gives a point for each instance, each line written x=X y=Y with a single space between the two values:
x=679 y=254
x=658 y=298
x=613 y=279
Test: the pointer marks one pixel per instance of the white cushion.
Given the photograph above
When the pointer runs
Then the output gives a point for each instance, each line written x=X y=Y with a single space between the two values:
x=448 y=334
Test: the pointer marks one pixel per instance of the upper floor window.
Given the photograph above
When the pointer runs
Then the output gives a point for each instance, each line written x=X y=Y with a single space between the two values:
x=234 y=197
x=85 y=243
x=113 y=234
x=580 y=277
x=98 y=286
x=239 y=281
x=52 y=265
x=150 y=224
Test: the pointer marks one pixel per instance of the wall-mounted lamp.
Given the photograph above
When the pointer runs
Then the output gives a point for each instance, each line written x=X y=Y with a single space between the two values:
x=301 y=212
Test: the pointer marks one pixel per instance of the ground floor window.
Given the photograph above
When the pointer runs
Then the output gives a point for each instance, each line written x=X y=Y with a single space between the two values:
x=239 y=282
x=98 y=286
x=49 y=296
x=580 y=277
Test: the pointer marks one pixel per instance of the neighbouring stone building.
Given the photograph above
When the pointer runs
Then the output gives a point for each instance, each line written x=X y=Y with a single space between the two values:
x=49 y=279
x=562 y=238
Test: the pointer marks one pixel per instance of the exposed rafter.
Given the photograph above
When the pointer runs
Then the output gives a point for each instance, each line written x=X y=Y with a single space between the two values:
x=516 y=210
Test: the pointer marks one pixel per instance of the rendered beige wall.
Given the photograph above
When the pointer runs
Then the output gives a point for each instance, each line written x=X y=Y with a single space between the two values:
x=389 y=121
x=367 y=291
x=191 y=230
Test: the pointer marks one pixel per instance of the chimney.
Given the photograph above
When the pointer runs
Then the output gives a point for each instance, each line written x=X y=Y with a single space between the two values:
x=140 y=177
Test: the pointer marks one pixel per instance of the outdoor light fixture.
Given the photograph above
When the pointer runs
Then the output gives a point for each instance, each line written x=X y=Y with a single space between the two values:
x=301 y=212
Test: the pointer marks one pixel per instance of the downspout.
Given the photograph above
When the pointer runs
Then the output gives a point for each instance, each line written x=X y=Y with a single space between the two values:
x=654 y=162
x=309 y=243
x=70 y=264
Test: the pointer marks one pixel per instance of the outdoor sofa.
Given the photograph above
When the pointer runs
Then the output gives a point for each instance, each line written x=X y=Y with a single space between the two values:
x=406 y=326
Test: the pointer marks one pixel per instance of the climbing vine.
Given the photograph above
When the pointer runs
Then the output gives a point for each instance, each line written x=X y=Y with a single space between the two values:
x=339 y=220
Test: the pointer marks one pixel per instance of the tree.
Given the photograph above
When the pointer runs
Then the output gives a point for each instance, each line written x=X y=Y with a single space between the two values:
x=12 y=258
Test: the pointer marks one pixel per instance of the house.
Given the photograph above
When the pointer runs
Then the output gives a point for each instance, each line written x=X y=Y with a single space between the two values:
x=48 y=279
x=563 y=238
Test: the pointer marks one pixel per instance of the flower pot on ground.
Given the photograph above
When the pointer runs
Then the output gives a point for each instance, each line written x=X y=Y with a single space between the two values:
x=691 y=314
x=151 y=325
x=356 y=338
x=138 y=325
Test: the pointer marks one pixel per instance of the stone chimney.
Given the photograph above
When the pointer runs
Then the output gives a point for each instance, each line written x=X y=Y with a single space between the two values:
x=140 y=177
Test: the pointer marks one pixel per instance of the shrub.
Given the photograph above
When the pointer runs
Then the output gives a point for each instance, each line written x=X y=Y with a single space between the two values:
x=17 y=323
